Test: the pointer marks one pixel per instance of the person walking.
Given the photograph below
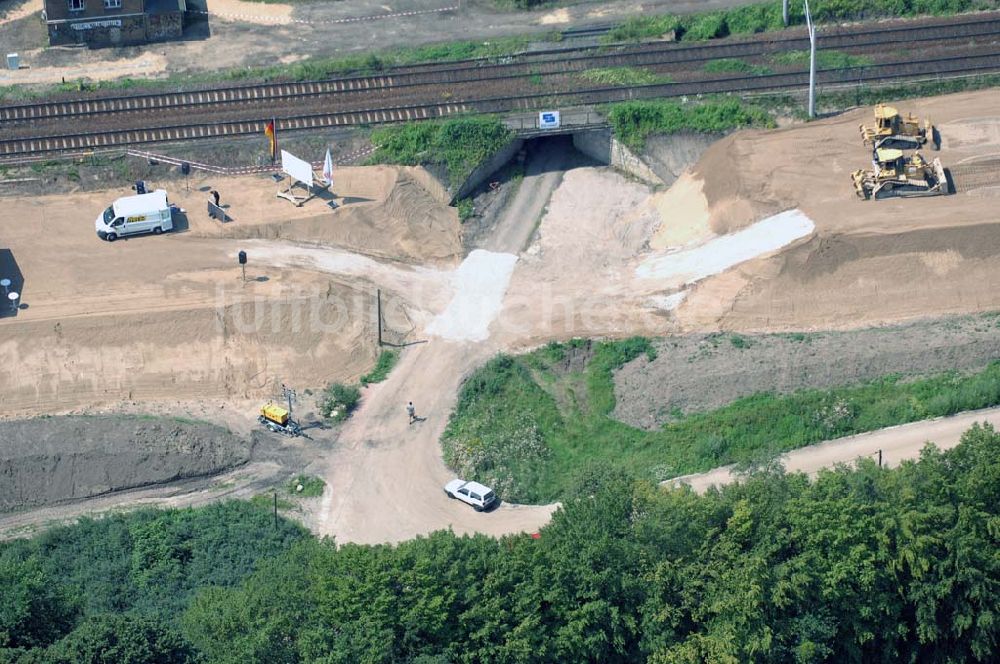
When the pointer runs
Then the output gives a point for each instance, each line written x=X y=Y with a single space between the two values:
x=412 y=412
x=215 y=197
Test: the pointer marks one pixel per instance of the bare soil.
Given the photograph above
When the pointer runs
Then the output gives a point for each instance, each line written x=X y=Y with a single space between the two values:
x=51 y=460
x=701 y=372
x=161 y=318
x=157 y=323
x=868 y=262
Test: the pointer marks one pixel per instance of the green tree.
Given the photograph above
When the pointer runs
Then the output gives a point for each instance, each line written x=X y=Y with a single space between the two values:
x=121 y=639
x=34 y=610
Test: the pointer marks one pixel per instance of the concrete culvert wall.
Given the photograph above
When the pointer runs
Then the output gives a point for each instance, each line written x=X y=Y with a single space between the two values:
x=54 y=459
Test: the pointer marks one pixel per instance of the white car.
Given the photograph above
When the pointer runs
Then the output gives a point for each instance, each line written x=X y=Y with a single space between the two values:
x=473 y=493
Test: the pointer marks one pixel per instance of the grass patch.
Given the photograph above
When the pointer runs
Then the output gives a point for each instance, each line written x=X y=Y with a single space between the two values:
x=265 y=501
x=466 y=209
x=386 y=361
x=766 y=16
x=623 y=76
x=340 y=401
x=306 y=486
x=824 y=59
x=510 y=430
x=864 y=95
x=634 y=121
x=639 y=28
x=459 y=144
x=735 y=66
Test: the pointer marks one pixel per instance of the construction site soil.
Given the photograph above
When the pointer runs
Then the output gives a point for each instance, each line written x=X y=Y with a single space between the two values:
x=764 y=234
x=154 y=318
x=704 y=371
x=51 y=460
x=868 y=262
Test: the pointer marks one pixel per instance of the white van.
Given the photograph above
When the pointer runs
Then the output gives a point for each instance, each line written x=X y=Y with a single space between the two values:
x=145 y=213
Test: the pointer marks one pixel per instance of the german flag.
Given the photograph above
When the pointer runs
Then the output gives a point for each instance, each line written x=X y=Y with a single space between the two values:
x=269 y=132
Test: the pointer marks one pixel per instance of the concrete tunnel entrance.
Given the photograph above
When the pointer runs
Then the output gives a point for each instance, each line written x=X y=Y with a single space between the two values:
x=534 y=155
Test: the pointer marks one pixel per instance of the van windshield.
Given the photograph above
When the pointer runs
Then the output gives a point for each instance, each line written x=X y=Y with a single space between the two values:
x=109 y=214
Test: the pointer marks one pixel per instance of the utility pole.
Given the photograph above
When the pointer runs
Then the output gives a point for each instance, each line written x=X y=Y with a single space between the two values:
x=784 y=12
x=378 y=312
x=812 y=61
x=289 y=394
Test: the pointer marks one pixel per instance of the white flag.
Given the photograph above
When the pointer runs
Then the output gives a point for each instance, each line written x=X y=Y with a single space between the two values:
x=328 y=167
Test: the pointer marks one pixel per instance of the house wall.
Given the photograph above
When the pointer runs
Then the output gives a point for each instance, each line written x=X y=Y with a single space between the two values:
x=97 y=25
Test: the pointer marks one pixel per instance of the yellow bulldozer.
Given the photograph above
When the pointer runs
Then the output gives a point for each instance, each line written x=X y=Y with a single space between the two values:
x=892 y=130
x=894 y=174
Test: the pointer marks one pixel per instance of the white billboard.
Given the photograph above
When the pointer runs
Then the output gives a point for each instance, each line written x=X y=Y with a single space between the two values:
x=298 y=169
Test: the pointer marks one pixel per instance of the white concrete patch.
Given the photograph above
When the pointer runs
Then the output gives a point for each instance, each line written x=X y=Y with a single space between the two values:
x=721 y=253
x=669 y=302
x=479 y=283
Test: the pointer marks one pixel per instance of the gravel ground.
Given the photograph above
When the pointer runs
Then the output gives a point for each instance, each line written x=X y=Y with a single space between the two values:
x=701 y=372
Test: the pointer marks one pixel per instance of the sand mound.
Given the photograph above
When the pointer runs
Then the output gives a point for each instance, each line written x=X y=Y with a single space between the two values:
x=242 y=347
x=870 y=261
x=384 y=211
x=685 y=214
x=50 y=460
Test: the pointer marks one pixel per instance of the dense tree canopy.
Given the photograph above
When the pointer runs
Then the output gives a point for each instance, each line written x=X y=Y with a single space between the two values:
x=859 y=565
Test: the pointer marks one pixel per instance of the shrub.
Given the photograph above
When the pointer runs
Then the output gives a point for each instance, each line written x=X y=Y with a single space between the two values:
x=386 y=361
x=824 y=59
x=623 y=76
x=307 y=486
x=459 y=144
x=736 y=66
x=700 y=27
x=636 y=29
x=340 y=401
x=633 y=121
x=466 y=209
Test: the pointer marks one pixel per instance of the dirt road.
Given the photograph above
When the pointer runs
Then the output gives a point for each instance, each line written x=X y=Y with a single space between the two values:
x=385 y=481
x=896 y=444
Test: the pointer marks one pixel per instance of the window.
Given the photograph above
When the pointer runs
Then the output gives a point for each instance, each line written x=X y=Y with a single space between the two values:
x=112 y=4
x=77 y=5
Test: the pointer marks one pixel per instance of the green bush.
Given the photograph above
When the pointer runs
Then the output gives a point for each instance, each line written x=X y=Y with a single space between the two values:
x=340 y=401
x=460 y=144
x=824 y=59
x=312 y=486
x=466 y=209
x=777 y=568
x=528 y=426
x=626 y=76
x=736 y=66
x=386 y=361
x=633 y=121
x=767 y=16
x=639 y=28
x=699 y=27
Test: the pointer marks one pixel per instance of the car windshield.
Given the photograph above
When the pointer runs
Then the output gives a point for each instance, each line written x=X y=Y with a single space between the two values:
x=488 y=498
x=109 y=214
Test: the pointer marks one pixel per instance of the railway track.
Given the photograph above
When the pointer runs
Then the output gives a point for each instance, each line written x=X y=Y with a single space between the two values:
x=529 y=65
x=985 y=63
